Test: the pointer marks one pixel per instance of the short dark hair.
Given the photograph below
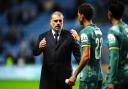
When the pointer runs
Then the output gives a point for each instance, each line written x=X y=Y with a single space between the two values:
x=117 y=9
x=57 y=13
x=87 y=10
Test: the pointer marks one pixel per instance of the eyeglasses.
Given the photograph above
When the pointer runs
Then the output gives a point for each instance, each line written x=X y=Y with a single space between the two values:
x=57 y=21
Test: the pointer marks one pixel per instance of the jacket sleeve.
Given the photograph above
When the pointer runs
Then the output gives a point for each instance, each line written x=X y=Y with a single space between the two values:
x=36 y=50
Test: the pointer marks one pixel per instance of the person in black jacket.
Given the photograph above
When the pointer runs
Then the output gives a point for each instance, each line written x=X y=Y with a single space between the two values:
x=57 y=46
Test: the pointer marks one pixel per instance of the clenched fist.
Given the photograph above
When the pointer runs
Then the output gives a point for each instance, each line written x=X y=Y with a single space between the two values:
x=42 y=43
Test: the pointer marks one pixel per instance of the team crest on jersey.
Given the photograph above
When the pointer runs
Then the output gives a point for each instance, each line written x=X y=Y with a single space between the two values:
x=84 y=37
x=111 y=38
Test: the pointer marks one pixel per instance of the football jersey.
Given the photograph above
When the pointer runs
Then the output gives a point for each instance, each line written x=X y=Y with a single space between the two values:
x=118 y=51
x=91 y=36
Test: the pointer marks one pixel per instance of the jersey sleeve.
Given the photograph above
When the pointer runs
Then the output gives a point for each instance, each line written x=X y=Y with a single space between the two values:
x=113 y=47
x=112 y=41
x=85 y=39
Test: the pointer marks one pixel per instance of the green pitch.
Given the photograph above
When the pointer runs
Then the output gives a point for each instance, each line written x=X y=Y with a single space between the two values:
x=23 y=84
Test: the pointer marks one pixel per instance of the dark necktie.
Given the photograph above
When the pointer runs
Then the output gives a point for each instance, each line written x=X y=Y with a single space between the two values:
x=56 y=36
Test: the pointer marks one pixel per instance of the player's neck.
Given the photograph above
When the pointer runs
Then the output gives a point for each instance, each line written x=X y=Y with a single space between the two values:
x=114 y=21
x=87 y=22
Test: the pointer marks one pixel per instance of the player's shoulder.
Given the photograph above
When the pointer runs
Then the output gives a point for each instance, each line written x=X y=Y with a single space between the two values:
x=114 y=29
x=85 y=30
x=124 y=26
x=91 y=28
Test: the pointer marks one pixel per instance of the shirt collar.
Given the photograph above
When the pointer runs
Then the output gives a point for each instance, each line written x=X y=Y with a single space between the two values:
x=53 y=32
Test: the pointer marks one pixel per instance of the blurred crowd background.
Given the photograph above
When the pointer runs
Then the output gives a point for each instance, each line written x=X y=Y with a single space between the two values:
x=21 y=22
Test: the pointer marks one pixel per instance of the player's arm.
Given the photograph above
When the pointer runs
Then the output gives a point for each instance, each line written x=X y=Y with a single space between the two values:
x=84 y=58
x=113 y=65
x=113 y=58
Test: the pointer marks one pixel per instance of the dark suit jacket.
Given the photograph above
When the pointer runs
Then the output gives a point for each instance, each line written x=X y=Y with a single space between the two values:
x=57 y=59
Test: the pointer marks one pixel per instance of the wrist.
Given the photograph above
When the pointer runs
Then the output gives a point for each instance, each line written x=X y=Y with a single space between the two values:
x=72 y=78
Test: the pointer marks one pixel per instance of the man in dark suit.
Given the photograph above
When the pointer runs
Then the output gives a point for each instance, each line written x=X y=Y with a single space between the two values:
x=57 y=45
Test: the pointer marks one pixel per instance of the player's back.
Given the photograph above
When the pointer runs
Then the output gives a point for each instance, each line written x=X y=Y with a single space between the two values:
x=96 y=42
x=91 y=36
